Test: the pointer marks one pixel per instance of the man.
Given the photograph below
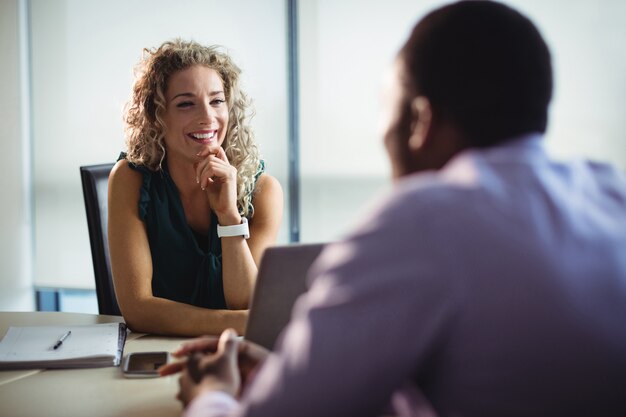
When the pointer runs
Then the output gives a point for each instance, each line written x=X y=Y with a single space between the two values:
x=492 y=279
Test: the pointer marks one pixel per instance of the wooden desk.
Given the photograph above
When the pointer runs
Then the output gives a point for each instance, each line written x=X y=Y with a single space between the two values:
x=86 y=392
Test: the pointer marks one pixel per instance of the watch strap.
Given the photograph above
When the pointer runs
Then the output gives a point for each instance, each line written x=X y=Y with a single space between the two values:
x=235 y=230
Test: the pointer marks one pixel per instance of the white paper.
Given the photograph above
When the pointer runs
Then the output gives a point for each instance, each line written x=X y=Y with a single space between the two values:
x=35 y=344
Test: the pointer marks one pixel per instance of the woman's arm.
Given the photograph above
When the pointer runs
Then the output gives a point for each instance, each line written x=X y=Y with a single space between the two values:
x=131 y=265
x=241 y=257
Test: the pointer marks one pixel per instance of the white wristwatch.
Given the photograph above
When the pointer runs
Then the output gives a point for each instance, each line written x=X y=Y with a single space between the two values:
x=235 y=230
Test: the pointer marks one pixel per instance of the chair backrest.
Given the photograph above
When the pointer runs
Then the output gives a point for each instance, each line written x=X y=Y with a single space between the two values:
x=95 y=180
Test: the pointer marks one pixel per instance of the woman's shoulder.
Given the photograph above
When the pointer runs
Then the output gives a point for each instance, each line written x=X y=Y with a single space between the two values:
x=124 y=182
x=268 y=191
x=132 y=185
x=266 y=181
x=122 y=172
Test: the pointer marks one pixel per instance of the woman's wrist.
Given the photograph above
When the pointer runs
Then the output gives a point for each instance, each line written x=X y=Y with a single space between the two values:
x=228 y=219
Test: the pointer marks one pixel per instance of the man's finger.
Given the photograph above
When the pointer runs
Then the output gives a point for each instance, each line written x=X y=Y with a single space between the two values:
x=193 y=367
x=172 y=368
x=228 y=348
x=202 y=344
x=228 y=343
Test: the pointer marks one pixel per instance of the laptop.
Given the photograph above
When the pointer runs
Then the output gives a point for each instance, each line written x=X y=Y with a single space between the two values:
x=280 y=281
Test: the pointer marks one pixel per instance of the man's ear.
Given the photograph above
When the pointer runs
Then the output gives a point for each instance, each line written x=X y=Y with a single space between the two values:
x=421 y=113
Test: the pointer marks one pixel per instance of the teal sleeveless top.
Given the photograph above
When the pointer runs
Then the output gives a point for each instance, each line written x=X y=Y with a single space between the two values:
x=186 y=266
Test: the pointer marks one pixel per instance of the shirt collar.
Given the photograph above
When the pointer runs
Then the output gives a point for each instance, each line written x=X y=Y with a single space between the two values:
x=523 y=148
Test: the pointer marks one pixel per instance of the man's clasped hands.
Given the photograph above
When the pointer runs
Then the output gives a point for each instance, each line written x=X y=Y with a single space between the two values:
x=209 y=363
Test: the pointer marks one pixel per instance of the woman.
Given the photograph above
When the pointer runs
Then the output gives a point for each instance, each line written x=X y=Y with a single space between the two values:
x=185 y=196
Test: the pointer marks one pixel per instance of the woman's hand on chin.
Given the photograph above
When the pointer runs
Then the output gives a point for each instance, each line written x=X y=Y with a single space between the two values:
x=218 y=178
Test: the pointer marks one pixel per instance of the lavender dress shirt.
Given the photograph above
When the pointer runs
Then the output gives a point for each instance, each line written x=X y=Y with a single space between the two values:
x=497 y=286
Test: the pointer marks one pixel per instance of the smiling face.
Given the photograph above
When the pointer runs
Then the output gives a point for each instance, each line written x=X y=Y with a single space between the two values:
x=196 y=113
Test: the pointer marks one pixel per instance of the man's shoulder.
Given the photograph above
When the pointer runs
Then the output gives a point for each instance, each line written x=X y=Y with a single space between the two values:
x=436 y=189
x=415 y=199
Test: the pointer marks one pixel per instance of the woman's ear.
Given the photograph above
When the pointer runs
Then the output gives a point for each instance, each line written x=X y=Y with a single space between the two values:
x=421 y=113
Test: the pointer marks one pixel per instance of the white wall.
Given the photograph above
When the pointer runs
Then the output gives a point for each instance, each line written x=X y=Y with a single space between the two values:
x=589 y=57
x=83 y=58
x=345 y=48
x=15 y=213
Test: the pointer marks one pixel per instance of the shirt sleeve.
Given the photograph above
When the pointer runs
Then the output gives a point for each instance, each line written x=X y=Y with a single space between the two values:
x=212 y=404
x=370 y=321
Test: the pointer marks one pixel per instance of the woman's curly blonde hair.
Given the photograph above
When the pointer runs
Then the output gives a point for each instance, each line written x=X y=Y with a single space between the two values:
x=145 y=129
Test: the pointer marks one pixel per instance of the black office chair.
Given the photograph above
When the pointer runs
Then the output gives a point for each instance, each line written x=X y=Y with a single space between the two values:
x=95 y=179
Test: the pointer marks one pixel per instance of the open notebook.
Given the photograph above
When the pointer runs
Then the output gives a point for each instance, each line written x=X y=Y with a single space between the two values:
x=87 y=346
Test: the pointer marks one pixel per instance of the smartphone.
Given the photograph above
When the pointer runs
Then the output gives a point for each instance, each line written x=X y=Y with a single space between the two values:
x=144 y=364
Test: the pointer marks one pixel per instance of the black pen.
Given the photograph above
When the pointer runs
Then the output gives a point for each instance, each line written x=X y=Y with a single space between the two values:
x=61 y=339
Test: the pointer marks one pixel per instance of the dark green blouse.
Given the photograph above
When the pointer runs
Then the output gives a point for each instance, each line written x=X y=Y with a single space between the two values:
x=187 y=266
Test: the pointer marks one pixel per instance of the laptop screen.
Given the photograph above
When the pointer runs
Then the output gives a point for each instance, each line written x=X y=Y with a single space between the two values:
x=280 y=281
